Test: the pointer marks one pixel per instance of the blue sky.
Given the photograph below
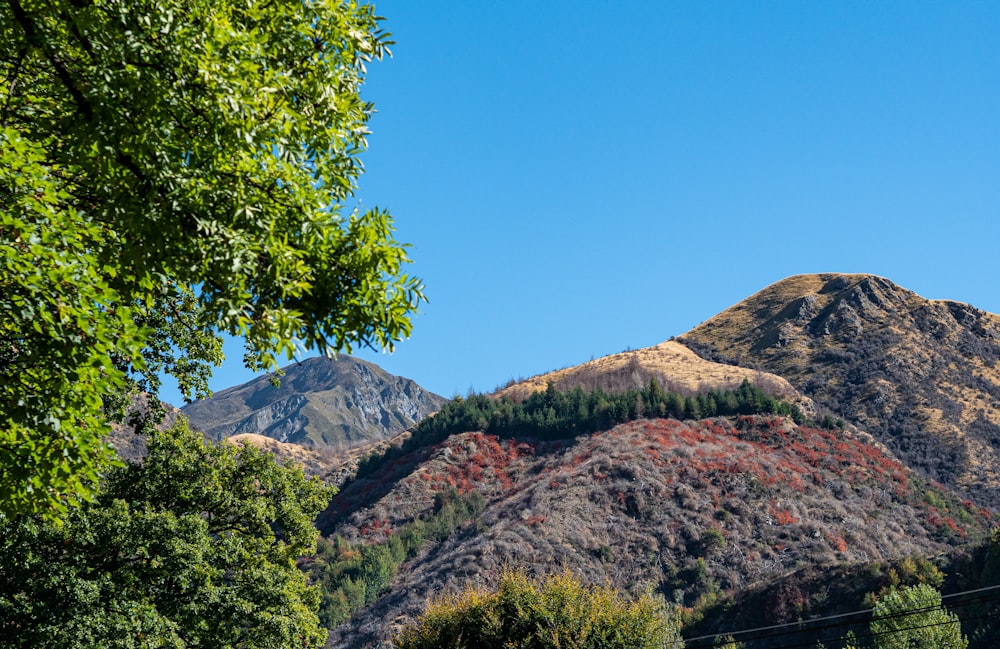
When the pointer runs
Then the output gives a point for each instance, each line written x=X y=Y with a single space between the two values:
x=579 y=178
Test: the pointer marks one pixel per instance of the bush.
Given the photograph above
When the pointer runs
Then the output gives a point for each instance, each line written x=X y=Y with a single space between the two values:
x=912 y=617
x=559 y=611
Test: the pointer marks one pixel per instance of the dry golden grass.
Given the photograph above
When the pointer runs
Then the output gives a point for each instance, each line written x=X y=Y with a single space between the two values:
x=266 y=443
x=902 y=353
x=333 y=466
x=324 y=463
x=677 y=367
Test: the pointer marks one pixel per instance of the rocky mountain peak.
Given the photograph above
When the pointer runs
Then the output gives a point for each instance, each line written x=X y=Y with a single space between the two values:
x=339 y=403
x=921 y=375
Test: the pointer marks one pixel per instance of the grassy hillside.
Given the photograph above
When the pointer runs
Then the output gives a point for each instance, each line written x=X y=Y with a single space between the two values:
x=673 y=365
x=922 y=376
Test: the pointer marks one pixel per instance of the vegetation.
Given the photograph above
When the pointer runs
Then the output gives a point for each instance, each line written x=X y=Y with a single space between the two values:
x=351 y=576
x=558 y=611
x=168 y=169
x=555 y=415
x=873 y=605
x=194 y=547
x=560 y=415
x=702 y=511
x=912 y=617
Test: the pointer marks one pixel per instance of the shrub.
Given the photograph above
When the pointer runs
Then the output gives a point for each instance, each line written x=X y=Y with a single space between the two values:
x=559 y=611
x=713 y=540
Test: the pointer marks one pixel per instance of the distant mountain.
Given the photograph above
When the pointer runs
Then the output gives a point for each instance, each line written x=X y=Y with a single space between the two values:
x=130 y=446
x=337 y=403
x=922 y=376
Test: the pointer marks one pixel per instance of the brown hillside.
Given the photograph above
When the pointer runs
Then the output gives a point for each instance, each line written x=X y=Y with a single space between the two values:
x=327 y=464
x=332 y=466
x=921 y=375
x=676 y=367
x=693 y=509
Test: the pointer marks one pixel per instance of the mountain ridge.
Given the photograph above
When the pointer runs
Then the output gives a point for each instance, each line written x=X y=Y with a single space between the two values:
x=338 y=403
x=704 y=511
x=920 y=375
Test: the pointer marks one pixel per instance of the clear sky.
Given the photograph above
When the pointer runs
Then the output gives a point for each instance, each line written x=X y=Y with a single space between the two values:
x=579 y=178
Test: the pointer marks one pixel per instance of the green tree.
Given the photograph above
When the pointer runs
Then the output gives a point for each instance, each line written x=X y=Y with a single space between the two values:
x=556 y=612
x=727 y=642
x=194 y=547
x=912 y=617
x=170 y=169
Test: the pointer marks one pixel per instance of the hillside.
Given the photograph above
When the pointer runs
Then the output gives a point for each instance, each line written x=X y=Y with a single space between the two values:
x=675 y=366
x=694 y=509
x=337 y=403
x=920 y=375
x=127 y=444
x=790 y=512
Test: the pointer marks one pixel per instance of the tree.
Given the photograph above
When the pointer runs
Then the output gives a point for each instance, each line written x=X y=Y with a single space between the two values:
x=557 y=612
x=727 y=642
x=912 y=617
x=194 y=547
x=170 y=169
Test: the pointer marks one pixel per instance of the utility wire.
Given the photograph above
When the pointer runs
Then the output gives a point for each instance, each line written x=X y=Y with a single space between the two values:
x=802 y=628
x=875 y=634
x=865 y=635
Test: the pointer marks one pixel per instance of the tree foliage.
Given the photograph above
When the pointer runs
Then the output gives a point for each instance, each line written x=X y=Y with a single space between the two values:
x=351 y=576
x=912 y=617
x=194 y=547
x=557 y=612
x=169 y=169
x=551 y=414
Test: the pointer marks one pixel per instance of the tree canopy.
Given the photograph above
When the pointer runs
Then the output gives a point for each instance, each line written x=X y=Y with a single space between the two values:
x=912 y=617
x=170 y=169
x=195 y=547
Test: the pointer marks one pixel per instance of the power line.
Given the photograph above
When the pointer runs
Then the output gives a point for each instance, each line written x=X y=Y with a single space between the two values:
x=957 y=620
x=872 y=634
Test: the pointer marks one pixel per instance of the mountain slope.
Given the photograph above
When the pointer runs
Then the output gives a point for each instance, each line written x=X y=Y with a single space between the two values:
x=692 y=509
x=920 y=375
x=677 y=368
x=338 y=403
x=703 y=511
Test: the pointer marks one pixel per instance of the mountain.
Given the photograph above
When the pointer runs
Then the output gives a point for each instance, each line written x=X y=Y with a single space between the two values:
x=696 y=510
x=800 y=517
x=881 y=470
x=922 y=376
x=336 y=403
x=673 y=365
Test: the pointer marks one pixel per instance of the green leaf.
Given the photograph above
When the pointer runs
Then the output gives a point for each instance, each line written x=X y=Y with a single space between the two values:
x=174 y=169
